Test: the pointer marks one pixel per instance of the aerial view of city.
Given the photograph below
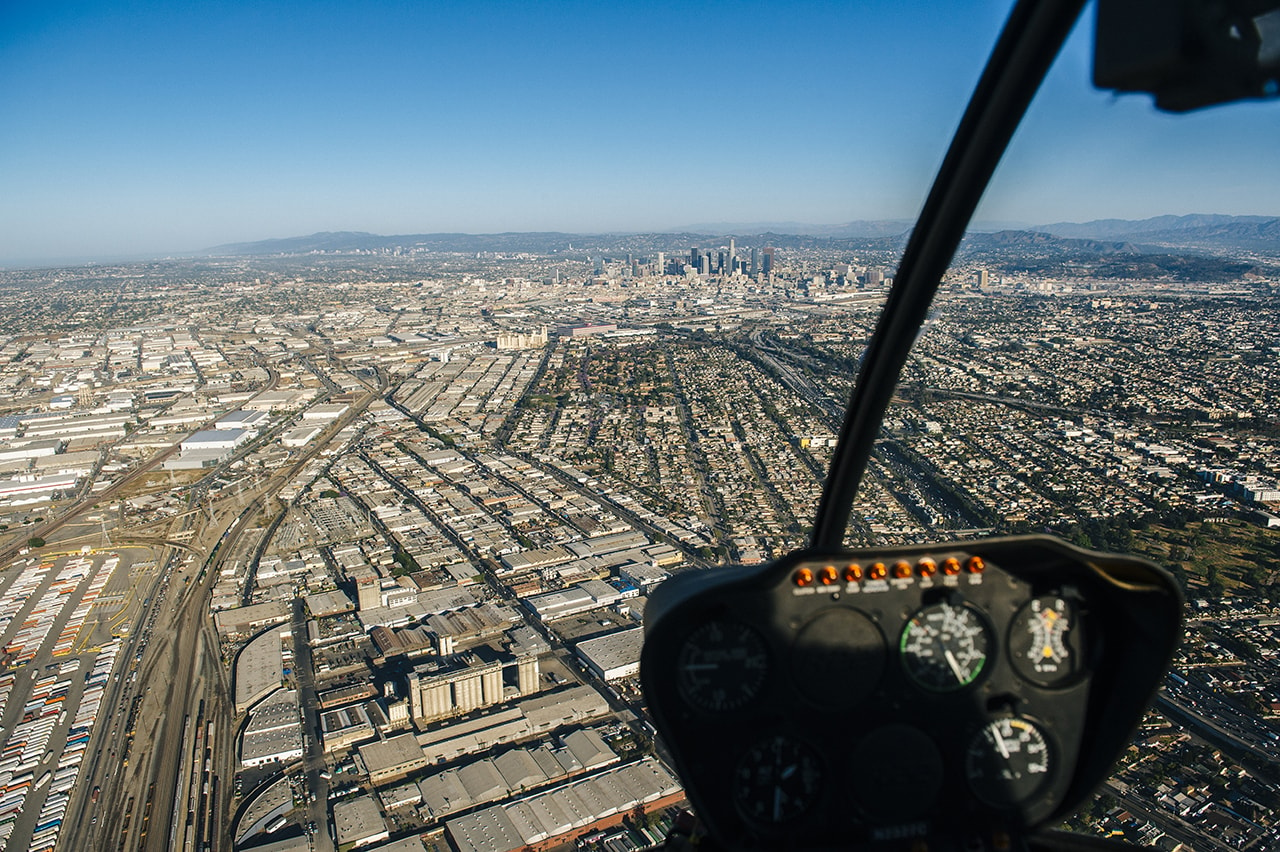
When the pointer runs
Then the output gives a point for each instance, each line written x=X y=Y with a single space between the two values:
x=331 y=549
x=352 y=541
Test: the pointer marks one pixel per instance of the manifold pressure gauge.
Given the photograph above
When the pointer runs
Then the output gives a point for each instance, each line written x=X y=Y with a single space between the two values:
x=1007 y=761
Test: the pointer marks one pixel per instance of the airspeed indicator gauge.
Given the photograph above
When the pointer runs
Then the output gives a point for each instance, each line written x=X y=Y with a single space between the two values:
x=944 y=646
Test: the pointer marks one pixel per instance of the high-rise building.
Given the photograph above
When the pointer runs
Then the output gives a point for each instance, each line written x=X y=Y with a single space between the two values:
x=768 y=261
x=754 y=261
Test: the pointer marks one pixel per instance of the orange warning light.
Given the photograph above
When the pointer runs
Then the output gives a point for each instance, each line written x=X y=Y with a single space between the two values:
x=852 y=572
x=804 y=577
x=976 y=565
x=828 y=575
x=951 y=566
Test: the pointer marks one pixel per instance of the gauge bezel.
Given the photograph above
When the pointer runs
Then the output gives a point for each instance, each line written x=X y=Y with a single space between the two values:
x=1074 y=641
x=989 y=651
x=811 y=792
x=1043 y=780
x=863 y=663
x=693 y=694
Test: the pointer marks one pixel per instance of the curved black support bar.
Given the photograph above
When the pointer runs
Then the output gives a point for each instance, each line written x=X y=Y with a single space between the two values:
x=1032 y=38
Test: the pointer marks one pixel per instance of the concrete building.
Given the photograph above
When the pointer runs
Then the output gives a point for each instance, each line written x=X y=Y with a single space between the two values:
x=300 y=436
x=252 y=421
x=439 y=691
x=259 y=669
x=358 y=822
x=324 y=413
x=614 y=656
x=558 y=816
x=345 y=726
x=392 y=758
x=274 y=730
x=31 y=449
x=514 y=340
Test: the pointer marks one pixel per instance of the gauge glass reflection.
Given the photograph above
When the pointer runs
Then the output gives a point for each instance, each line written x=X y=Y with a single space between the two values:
x=721 y=666
x=944 y=646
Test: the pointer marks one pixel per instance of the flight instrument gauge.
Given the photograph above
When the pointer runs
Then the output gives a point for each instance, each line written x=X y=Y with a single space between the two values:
x=1043 y=641
x=777 y=780
x=722 y=666
x=1007 y=762
x=944 y=646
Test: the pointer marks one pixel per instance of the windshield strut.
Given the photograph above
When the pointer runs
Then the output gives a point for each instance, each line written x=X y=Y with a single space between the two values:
x=1031 y=39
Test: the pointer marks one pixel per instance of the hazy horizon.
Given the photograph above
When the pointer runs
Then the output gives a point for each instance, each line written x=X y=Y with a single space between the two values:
x=154 y=129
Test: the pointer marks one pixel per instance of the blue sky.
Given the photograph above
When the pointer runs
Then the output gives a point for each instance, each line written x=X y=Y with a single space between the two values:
x=151 y=127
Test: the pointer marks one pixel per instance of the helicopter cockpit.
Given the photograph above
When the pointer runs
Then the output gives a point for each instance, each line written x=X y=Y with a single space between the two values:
x=962 y=695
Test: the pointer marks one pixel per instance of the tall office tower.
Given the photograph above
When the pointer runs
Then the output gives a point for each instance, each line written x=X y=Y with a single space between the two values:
x=662 y=263
x=754 y=258
x=723 y=270
x=705 y=264
x=368 y=587
x=729 y=269
x=695 y=257
x=984 y=279
x=768 y=261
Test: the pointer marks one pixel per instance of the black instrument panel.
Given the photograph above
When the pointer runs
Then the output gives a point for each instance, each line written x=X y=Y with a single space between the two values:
x=876 y=698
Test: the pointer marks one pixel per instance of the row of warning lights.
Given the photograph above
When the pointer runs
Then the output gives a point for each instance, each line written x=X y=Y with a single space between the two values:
x=829 y=575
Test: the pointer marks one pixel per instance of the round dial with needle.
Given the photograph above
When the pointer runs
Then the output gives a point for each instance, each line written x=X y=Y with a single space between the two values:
x=1042 y=641
x=777 y=780
x=1007 y=761
x=721 y=666
x=944 y=646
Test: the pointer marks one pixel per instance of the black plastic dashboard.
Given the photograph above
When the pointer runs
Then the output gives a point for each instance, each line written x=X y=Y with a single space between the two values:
x=956 y=695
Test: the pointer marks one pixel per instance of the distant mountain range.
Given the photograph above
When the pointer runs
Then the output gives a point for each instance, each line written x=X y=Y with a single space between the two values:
x=1196 y=233
x=1198 y=230
x=861 y=229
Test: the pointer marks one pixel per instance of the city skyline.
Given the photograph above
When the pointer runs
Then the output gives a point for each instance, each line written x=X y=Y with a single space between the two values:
x=148 y=129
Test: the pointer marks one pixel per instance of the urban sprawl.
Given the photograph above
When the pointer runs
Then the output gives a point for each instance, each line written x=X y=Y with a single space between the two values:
x=340 y=551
